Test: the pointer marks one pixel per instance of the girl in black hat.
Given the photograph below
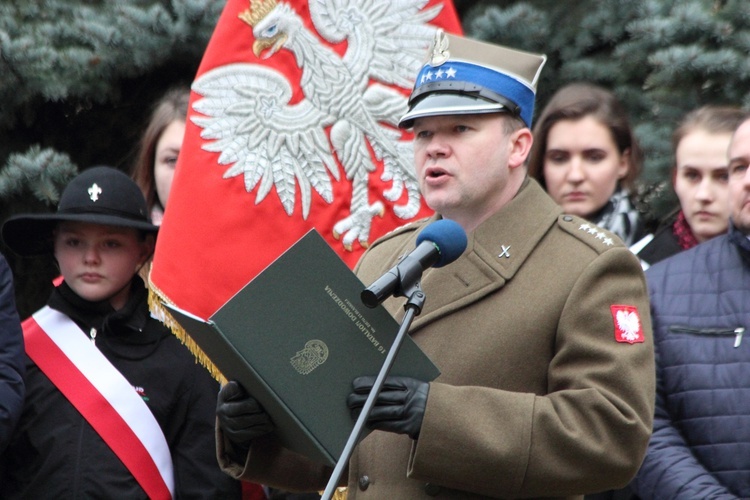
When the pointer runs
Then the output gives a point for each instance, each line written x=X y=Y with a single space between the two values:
x=115 y=406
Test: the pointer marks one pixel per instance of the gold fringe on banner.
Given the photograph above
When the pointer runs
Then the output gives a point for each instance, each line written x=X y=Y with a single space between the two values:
x=155 y=299
x=339 y=494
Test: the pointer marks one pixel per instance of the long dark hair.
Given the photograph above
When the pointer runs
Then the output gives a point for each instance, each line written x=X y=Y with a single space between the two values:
x=172 y=106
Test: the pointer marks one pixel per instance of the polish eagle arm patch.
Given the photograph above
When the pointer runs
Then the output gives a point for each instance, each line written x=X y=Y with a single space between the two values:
x=627 y=324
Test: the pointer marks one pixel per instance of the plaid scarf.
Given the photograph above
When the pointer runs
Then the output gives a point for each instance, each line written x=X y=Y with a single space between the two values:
x=681 y=229
x=620 y=217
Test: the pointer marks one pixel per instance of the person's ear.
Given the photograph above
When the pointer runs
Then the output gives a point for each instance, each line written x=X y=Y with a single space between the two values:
x=520 y=143
x=147 y=248
x=624 y=167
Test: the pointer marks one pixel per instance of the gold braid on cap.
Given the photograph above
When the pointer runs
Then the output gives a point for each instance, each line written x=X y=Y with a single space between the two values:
x=257 y=11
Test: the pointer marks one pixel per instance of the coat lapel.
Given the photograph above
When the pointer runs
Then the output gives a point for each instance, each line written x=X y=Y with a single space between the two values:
x=495 y=252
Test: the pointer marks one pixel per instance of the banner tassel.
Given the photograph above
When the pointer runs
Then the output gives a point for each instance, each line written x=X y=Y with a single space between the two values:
x=156 y=298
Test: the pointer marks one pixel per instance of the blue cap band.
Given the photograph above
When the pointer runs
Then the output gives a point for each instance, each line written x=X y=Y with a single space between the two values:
x=473 y=79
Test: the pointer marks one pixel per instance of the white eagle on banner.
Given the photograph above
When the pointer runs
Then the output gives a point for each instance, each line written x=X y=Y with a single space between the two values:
x=272 y=144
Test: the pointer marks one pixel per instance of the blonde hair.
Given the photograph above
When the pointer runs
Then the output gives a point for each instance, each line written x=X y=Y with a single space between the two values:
x=713 y=119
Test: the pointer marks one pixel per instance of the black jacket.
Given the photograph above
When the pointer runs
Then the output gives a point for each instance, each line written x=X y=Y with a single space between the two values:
x=665 y=243
x=56 y=454
x=11 y=357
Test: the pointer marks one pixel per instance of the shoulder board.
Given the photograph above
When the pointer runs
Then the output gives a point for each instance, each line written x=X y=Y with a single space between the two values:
x=594 y=236
x=406 y=228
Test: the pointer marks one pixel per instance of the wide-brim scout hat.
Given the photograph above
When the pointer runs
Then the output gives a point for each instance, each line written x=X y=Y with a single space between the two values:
x=99 y=195
x=464 y=76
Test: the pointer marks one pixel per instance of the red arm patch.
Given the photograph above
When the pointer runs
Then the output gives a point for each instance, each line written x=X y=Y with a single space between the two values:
x=628 y=326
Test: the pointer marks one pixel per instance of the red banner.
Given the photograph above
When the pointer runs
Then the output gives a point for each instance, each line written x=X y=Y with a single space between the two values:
x=292 y=126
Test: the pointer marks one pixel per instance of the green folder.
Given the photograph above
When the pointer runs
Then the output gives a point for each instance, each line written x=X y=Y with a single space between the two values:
x=296 y=336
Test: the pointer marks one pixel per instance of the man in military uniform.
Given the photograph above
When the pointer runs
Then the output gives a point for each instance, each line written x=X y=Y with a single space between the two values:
x=541 y=328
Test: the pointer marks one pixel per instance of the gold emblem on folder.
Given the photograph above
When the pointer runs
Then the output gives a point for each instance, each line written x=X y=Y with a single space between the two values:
x=314 y=354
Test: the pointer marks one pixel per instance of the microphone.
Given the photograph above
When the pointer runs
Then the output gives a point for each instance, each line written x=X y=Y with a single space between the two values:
x=439 y=244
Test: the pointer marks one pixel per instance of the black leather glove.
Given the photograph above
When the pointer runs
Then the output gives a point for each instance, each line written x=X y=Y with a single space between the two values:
x=241 y=417
x=398 y=408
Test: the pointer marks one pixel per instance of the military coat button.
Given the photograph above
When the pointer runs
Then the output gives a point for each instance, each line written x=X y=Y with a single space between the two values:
x=364 y=482
x=567 y=218
x=432 y=489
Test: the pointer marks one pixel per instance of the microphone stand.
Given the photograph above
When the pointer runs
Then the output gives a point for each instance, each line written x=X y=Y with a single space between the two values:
x=413 y=307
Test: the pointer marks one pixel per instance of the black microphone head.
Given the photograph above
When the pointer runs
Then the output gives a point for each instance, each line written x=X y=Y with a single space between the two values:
x=449 y=238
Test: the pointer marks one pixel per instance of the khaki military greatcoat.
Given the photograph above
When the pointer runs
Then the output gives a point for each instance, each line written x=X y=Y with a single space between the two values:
x=542 y=392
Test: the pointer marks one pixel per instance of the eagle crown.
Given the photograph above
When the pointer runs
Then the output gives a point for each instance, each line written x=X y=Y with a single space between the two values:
x=257 y=11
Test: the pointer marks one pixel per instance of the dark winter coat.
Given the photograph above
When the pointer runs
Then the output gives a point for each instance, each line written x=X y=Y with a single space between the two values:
x=664 y=245
x=11 y=357
x=55 y=453
x=700 y=302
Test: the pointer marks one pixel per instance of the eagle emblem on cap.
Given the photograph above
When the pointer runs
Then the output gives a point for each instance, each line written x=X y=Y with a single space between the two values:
x=440 y=52
x=247 y=117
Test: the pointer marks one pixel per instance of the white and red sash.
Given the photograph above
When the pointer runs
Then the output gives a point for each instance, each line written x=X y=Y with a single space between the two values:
x=102 y=395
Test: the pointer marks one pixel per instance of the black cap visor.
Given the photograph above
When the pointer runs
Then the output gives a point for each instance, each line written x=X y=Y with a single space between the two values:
x=439 y=104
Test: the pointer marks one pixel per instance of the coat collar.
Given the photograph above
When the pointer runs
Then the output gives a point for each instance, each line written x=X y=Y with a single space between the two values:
x=739 y=238
x=494 y=253
x=130 y=319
